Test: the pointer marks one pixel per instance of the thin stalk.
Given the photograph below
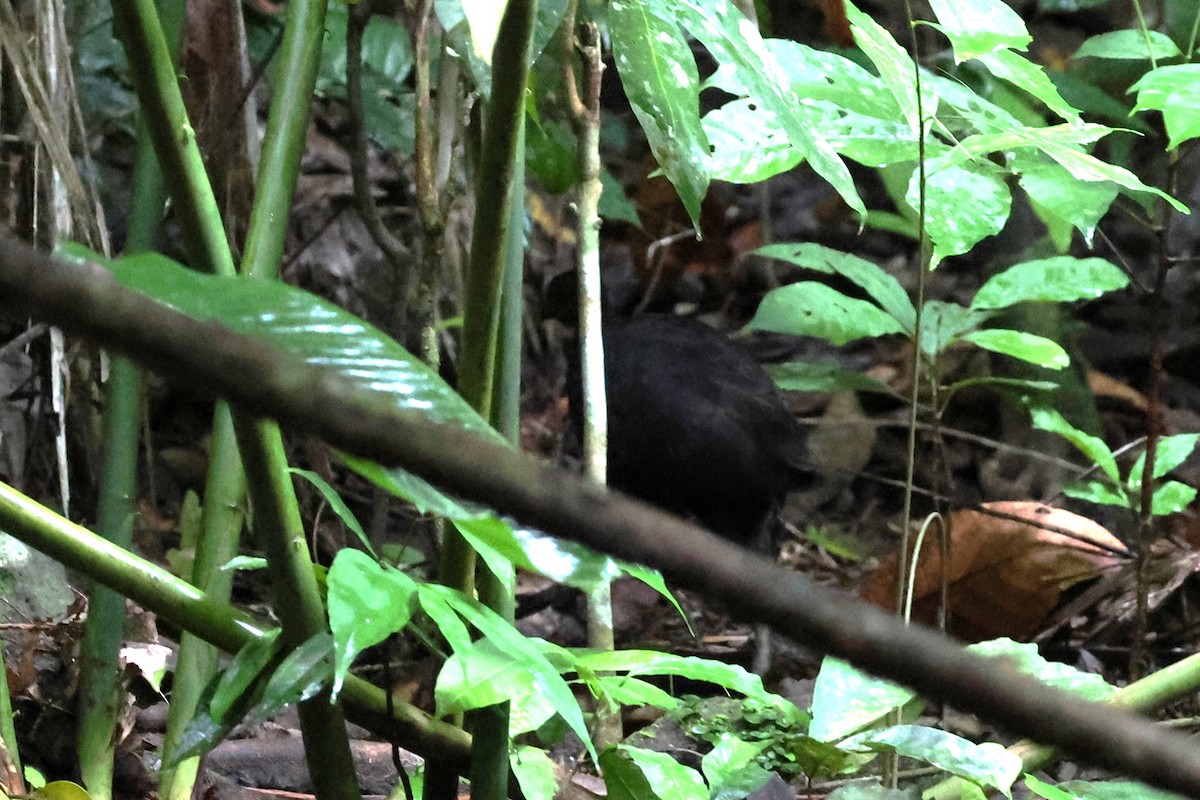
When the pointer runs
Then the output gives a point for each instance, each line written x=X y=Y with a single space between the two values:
x=584 y=108
x=101 y=692
x=492 y=247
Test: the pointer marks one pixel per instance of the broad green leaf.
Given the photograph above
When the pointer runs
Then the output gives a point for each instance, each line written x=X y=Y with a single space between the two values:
x=731 y=768
x=1171 y=451
x=305 y=672
x=1175 y=91
x=1050 y=791
x=654 y=579
x=632 y=773
x=484 y=675
x=989 y=764
x=564 y=561
x=1097 y=492
x=870 y=141
x=1026 y=658
x=879 y=285
x=748 y=145
x=1048 y=419
x=658 y=73
x=893 y=62
x=1112 y=790
x=813 y=309
x=846 y=700
x=1086 y=167
x=550 y=685
x=1171 y=498
x=615 y=205
x=944 y=323
x=818 y=76
x=653 y=662
x=1019 y=344
x=1055 y=195
x=967 y=111
x=1129 y=45
x=1031 y=77
x=248 y=664
x=734 y=40
x=977 y=27
x=483 y=18
x=1026 y=136
x=953 y=224
x=368 y=602
x=304 y=326
x=626 y=691
x=534 y=771
x=337 y=505
x=803 y=376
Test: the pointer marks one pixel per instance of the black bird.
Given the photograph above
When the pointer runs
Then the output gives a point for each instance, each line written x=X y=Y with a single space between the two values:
x=696 y=425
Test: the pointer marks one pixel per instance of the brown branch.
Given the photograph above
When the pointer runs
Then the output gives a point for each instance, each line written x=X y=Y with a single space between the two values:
x=86 y=300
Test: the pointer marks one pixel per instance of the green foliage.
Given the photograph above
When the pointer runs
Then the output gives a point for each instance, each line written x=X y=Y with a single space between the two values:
x=810 y=308
x=1171 y=497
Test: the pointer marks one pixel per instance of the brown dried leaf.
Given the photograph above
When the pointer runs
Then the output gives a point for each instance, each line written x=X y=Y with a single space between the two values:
x=1006 y=569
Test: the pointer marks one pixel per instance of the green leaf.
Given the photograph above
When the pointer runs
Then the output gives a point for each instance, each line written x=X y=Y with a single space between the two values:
x=534 y=771
x=496 y=539
x=653 y=662
x=658 y=73
x=747 y=144
x=635 y=774
x=654 y=579
x=626 y=691
x=894 y=65
x=1048 y=419
x=305 y=672
x=1112 y=790
x=732 y=770
x=978 y=27
x=734 y=40
x=1056 y=195
x=879 y=285
x=818 y=76
x=615 y=205
x=846 y=700
x=953 y=225
x=230 y=688
x=1049 y=791
x=1018 y=344
x=1086 y=167
x=989 y=764
x=1175 y=91
x=944 y=323
x=1026 y=658
x=301 y=325
x=1170 y=453
x=813 y=309
x=1171 y=498
x=804 y=376
x=483 y=675
x=1129 y=45
x=368 y=602
x=337 y=505
x=1097 y=492
x=1031 y=77
x=1061 y=279
x=550 y=685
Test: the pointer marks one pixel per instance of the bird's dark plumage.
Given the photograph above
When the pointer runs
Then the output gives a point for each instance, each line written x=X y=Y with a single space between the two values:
x=697 y=426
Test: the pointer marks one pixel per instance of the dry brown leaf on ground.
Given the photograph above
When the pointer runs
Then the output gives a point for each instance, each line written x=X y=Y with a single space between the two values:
x=1008 y=565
